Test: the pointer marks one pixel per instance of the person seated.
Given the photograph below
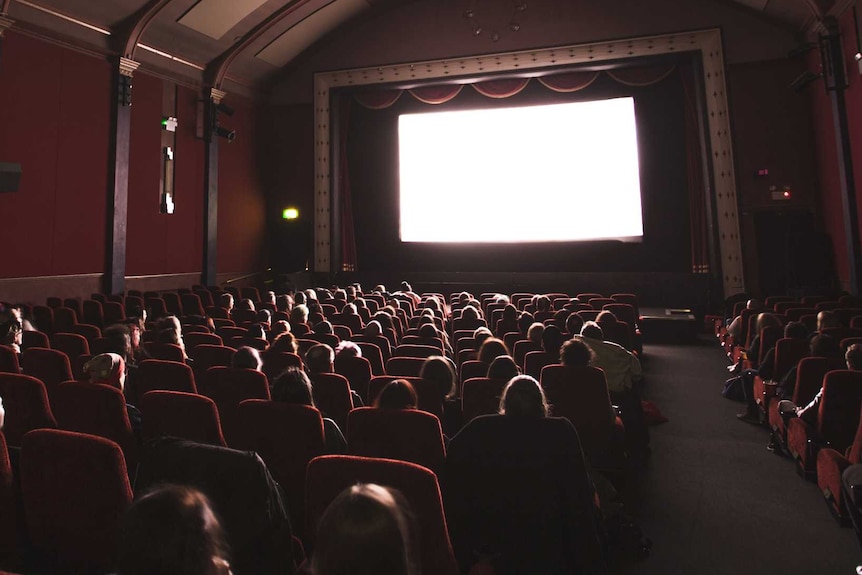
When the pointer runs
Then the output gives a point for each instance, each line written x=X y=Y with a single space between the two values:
x=320 y=359
x=491 y=348
x=347 y=349
x=397 y=394
x=525 y=320
x=172 y=529
x=247 y=358
x=853 y=359
x=245 y=304
x=622 y=372
x=517 y=491
x=367 y=529
x=735 y=328
x=544 y=308
x=441 y=371
x=110 y=369
x=11 y=328
x=503 y=367
x=299 y=320
x=294 y=386
x=535 y=331
x=574 y=323
x=552 y=340
x=822 y=345
x=226 y=301
x=508 y=322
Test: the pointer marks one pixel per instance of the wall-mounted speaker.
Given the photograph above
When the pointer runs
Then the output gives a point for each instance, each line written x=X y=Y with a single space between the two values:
x=10 y=177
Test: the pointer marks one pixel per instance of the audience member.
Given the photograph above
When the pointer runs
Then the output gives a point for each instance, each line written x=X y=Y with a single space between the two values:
x=247 y=358
x=397 y=394
x=367 y=530
x=294 y=386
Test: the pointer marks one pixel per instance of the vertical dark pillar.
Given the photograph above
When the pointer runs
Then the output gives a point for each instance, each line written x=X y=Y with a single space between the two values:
x=836 y=82
x=115 y=272
x=208 y=275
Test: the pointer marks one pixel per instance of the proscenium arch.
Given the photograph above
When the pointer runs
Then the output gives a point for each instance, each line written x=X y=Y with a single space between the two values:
x=707 y=42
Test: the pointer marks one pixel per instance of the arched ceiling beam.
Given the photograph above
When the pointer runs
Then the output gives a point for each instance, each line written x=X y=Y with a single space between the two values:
x=816 y=9
x=4 y=9
x=138 y=23
x=217 y=69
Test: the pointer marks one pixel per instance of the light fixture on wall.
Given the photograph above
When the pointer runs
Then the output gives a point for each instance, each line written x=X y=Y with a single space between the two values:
x=481 y=21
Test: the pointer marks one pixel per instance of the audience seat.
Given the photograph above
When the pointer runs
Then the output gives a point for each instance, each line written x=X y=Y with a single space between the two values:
x=43 y=316
x=72 y=344
x=49 y=365
x=192 y=340
x=402 y=434
x=837 y=420
x=358 y=372
x=93 y=313
x=9 y=360
x=228 y=387
x=830 y=465
x=64 y=319
x=481 y=396
x=11 y=542
x=75 y=489
x=166 y=375
x=32 y=338
x=404 y=366
x=287 y=437
x=185 y=415
x=26 y=403
x=97 y=409
x=332 y=396
x=114 y=312
x=165 y=351
x=330 y=475
x=89 y=331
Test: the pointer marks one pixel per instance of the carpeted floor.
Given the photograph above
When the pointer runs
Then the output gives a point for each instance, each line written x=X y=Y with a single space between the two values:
x=712 y=498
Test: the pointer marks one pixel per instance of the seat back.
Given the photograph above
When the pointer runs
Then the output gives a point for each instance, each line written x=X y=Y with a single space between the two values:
x=206 y=356
x=167 y=375
x=9 y=519
x=194 y=339
x=415 y=350
x=89 y=331
x=809 y=377
x=115 y=312
x=328 y=476
x=287 y=437
x=44 y=318
x=838 y=416
x=228 y=387
x=9 y=360
x=31 y=338
x=165 y=351
x=49 y=365
x=72 y=344
x=404 y=366
x=191 y=304
x=93 y=313
x=178 y=414
x=480 y=396
x=788 y=352
x=374 y=355
x=332 y=396
x=26 y=404
x=97 y=409
x=357 y=370
x=580 y=394
x=64 y=318
x=402 y=434
x=75 y=489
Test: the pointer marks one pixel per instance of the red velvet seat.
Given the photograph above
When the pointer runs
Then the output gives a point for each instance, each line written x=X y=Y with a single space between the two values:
x=830 y=465
x=49 y=365
x=168 y=375
x=26 y=404
x=191 y=304
x=374 y=355
x=332 y=396
x=93 y=313
x=275 y=362
x=480 y=396
x=72 y=344
x=580 y=394
x=89 y=331
x=404 y=366
x=205 y=356
x=9 y=360
x=173 y=304
x=97 y=409
x=358 y=372
x=165 y=351
x=194 y=339
x=178 y=414
x=402 y=434
x=31 y=338
x=75 y=489
x=788 y=352
x=415 y=350
x=287 y=437
x=534 y=361
x=10 y=544
x=330 y=475
x=836 y=424
x=114 y=311
x=44 y=318
x=228 y=387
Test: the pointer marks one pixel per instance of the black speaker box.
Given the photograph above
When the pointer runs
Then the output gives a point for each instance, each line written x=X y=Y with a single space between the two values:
x=10 y=177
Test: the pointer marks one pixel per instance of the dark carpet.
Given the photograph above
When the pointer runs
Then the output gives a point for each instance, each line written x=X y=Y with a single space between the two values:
x=712 y=498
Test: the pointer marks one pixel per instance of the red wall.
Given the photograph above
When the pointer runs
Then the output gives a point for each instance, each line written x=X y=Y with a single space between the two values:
x=55 y=114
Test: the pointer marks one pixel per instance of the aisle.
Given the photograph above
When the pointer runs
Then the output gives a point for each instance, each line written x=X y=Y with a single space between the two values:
x=712 y=498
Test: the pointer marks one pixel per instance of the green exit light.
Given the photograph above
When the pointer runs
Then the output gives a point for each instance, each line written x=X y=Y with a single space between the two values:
x=290 y=213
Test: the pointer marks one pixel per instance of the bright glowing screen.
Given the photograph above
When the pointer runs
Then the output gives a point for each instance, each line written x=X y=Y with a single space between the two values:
x=562 y=172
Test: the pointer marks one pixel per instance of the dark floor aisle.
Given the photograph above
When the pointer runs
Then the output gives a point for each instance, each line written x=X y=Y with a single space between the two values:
x=712 y=498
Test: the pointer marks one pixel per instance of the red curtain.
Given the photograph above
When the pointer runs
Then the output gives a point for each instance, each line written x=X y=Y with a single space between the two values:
x=641 y=75
x=695 y=178
x=505 y=88
x=378 y=100
x=569 y=82
x=436 y=94
x=348 y=234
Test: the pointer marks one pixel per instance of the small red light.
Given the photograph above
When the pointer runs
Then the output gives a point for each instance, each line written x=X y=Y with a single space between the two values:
x=786 y=193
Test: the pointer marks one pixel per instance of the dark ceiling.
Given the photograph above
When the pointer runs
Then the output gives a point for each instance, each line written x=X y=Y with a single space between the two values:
x=239 y=44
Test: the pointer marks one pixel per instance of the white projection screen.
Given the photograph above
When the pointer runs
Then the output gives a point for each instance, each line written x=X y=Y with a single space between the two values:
x=551 y=173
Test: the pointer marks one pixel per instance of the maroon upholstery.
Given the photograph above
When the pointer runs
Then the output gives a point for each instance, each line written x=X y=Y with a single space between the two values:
x=520 y=351
x=415 y=350
x=191 y=304
x=830 y=465
x=168 y=375
x=788 y=352
x=809 y=379
x=837 y=420
x=9 y=360
x=49 y=365
x=480 y=396
x=402 y=434
x=404 y=366
x=192 y=339
x=165 y=351
x=275 y=362
x=44 y=318
x=472 y=368
x=374 y=355
x=71 y=344
x=332 y=396
x=9 y=536
x=434 y=342
x=172 y=303
x=64 y=318
x=75 y=490
x=189 y=328
x=93 y=313
x=580 y=394
x=354 y=322
x=534 y=361
x=178 y=414
x=287 y=437
x=330 y=475
x=357 y=370
x=89 y=331
x=31 y=338
x=380 y=341
x=227 y=387
x=97 y=409
x=26 y=404
x=114 y=312
x=205 y=356
x=156 y=307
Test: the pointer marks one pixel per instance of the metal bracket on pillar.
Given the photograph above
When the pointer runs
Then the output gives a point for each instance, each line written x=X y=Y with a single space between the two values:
x=208 y=276
x=118 y=194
